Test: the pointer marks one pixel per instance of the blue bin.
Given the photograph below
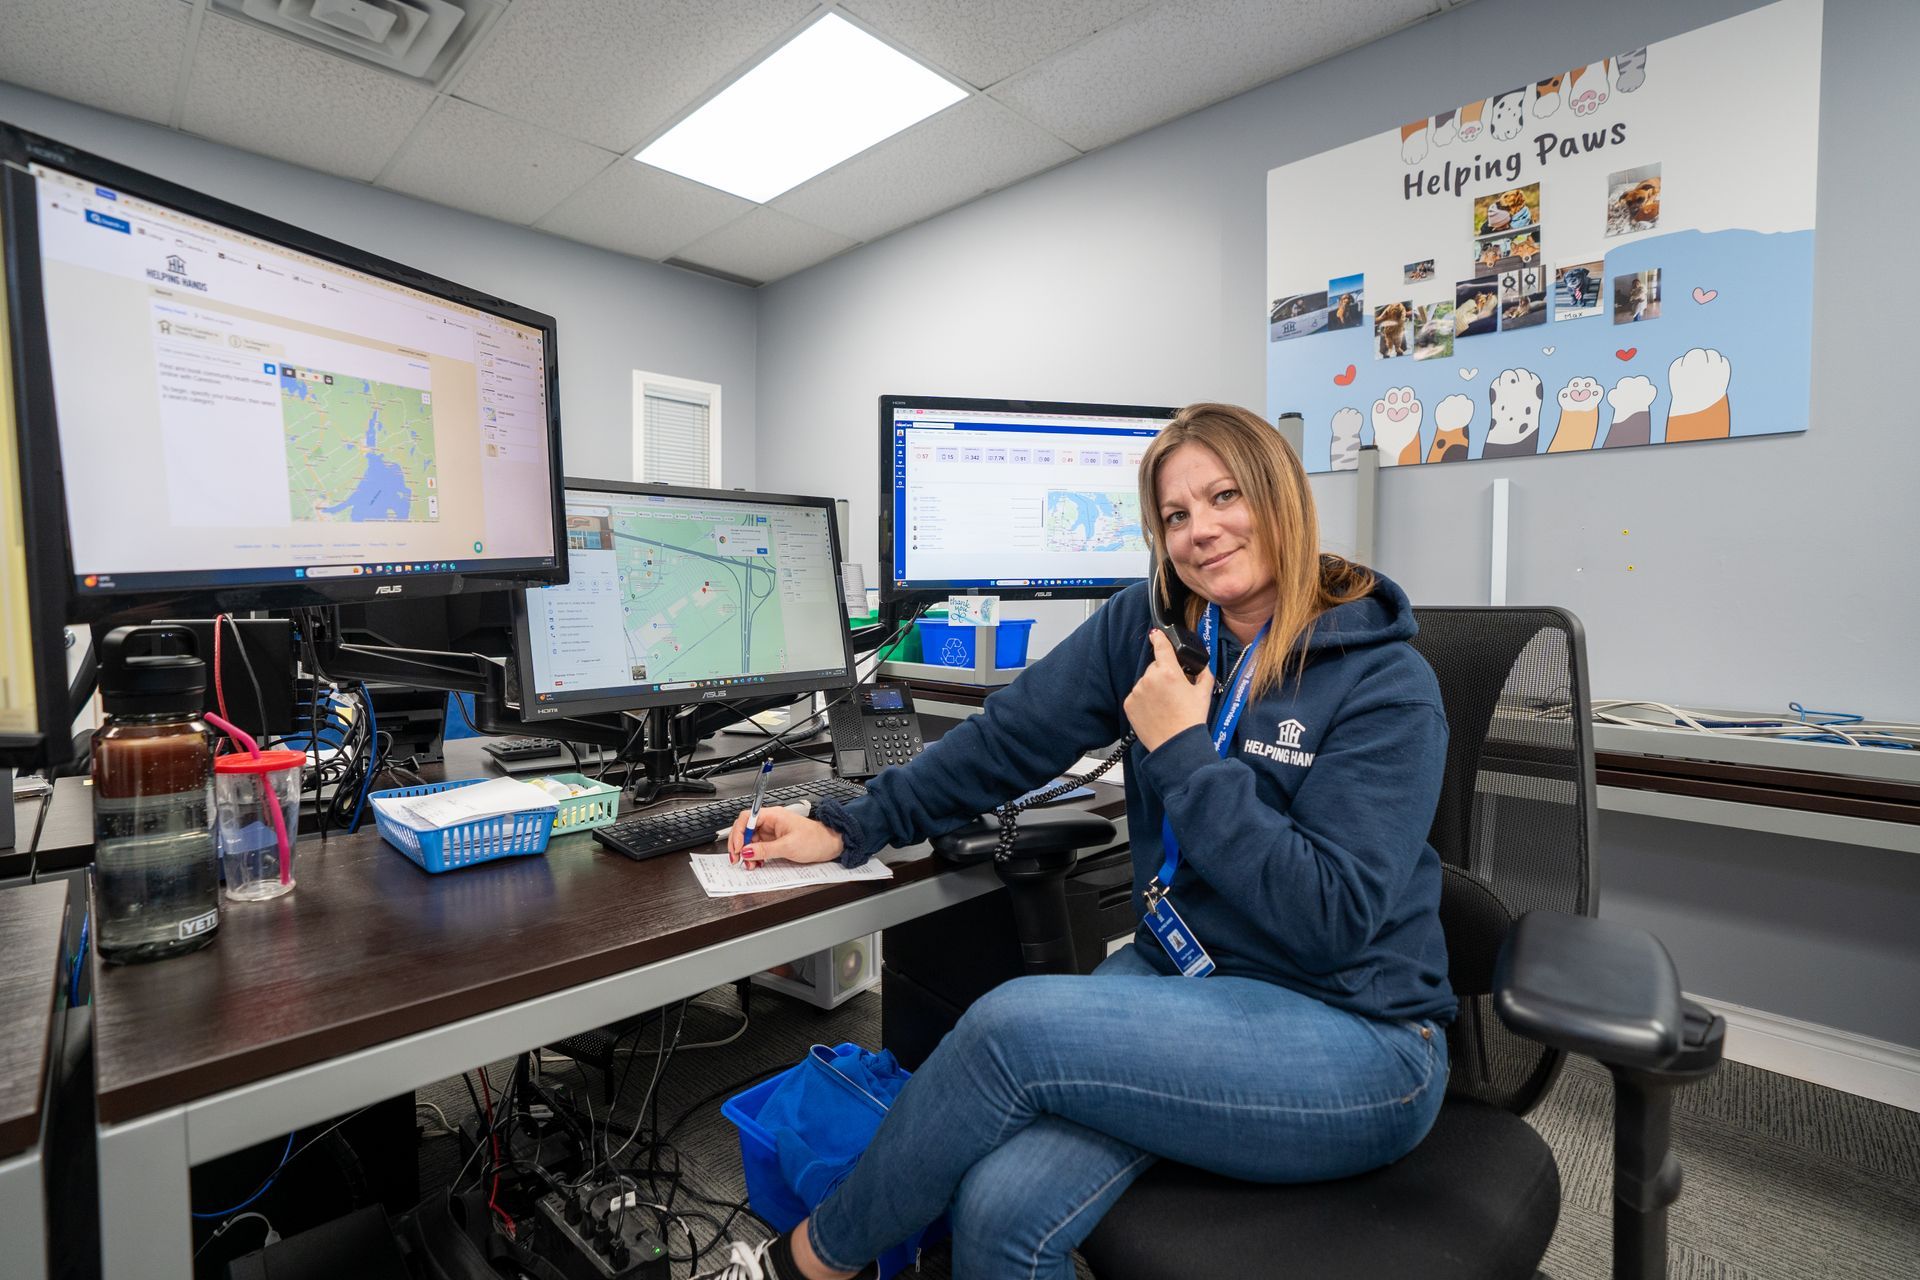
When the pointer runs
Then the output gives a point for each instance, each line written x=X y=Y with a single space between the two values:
x=944 y=645
x=775 y=1202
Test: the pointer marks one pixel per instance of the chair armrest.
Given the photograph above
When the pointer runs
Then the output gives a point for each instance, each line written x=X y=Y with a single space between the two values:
x=1594 y=987
x=1045 y=835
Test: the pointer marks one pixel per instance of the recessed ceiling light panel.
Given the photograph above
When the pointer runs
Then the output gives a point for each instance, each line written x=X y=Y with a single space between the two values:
x=829 y=93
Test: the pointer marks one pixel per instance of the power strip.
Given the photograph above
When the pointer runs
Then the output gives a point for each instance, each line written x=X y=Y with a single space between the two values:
x=601 y=1234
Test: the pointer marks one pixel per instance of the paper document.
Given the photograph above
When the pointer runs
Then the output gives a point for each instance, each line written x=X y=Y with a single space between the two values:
x=464 y=804
x=722 y=878
x=1116 y=776
x=853 y=587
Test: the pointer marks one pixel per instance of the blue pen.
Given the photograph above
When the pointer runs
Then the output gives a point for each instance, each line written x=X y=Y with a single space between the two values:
x=759 y=794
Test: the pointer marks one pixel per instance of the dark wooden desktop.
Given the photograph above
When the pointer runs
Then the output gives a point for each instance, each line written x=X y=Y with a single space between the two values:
x=372 y=977
x=33 y=939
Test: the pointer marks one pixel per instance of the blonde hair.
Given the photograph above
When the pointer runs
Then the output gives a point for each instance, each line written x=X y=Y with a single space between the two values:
x=1285 y=526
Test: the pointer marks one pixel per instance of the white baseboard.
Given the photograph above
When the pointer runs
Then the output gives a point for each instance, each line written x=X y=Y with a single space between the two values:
x=1841 y=1060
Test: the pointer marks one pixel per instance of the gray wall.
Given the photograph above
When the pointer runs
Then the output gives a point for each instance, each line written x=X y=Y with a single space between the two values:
x=616 y=314
x=1766 y=571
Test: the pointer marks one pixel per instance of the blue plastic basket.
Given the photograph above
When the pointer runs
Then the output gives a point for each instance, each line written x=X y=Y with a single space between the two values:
x=944 y=645
x=775 y=1202
x=438 y=849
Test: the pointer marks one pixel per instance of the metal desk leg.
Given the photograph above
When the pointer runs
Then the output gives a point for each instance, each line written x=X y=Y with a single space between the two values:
x=146 y=1228
x=23 y=1215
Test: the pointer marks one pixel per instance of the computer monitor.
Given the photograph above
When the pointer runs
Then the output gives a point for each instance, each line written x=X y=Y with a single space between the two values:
x=252 y=415
x=1024 y=499
x=33 y=663
x=681 y=596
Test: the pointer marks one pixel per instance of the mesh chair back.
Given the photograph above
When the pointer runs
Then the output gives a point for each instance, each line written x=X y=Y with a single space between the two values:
x=1515 y=823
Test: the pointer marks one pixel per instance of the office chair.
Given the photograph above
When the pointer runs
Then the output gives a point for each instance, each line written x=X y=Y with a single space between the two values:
x=1537 y=977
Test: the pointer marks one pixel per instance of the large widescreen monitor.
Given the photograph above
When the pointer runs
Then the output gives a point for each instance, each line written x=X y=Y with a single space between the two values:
x=33 y=663
x=1027 y=499
x=255 y=415
x=680 y=596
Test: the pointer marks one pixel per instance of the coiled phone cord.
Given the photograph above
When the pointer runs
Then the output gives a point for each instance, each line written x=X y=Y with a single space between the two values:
x=1009 y=813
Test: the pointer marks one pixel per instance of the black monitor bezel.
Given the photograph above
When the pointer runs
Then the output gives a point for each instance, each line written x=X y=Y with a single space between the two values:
x=18 y=147
x=628 y=701
x=43 y=522
x=934 y=592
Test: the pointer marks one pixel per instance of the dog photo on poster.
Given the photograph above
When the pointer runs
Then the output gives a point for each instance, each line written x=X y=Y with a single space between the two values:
x=1618 y=253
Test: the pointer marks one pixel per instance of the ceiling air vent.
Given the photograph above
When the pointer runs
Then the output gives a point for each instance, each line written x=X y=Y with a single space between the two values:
x=419 y=39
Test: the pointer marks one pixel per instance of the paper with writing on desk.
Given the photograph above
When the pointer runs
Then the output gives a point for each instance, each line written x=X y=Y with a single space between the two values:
x=724 y=879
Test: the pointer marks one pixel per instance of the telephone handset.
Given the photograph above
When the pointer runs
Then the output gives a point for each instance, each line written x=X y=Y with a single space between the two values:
x=1169 y=618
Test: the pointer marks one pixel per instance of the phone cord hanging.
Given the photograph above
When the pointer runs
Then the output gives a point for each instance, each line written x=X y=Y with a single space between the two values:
x=1009 y=814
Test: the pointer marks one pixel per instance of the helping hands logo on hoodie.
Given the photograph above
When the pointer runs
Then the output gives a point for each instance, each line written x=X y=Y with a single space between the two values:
x=1285 y=748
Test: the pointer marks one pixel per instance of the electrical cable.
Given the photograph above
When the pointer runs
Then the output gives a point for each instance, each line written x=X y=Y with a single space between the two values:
x=246 y=660
x=33 y=845
x=1837 y=728
x=286 y=1157
x=235 y=1221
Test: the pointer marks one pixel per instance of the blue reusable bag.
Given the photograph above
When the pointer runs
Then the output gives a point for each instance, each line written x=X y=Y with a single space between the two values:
x=825 y=1112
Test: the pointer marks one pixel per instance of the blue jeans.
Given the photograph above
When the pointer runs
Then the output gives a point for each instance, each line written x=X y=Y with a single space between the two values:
x=1054 y=1093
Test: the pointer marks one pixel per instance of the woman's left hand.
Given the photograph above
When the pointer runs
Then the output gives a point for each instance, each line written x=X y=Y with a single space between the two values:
x=1164 y=702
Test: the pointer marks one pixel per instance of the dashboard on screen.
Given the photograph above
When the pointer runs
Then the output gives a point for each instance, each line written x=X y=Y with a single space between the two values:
x=677 y=596
x=1025 y=499
x=244 y=407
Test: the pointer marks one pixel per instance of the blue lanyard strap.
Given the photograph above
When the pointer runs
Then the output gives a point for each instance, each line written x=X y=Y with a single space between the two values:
x=1223 y=730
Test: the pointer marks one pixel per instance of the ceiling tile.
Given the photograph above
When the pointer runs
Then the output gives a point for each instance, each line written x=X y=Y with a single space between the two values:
x=638 y=209
x=264 y=93
x=118 y=55
x=612 y=72
x=985 y=41
x=475 y=159
x=765 y=245
x=1188 y=54
x=971 y=148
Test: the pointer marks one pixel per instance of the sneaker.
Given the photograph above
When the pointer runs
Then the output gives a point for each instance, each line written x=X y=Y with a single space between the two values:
x=745 y=1262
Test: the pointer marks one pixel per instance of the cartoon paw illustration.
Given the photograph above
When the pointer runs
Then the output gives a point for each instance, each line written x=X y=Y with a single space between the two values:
x=1698 y=382
x=1546 y=96
x=1396 y=427
x=1413 y=142
x=1445 y=125
x=1632 y=402
x=1450 y=419
x=1589 y=87
x=1470 y=126
x=1630 y=70
x=1344 y=452
x=1509 y=114
x=1579 y=416
x=1514 y=398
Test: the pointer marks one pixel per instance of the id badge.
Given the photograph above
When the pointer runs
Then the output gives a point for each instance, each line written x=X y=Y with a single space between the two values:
x=1187 y=953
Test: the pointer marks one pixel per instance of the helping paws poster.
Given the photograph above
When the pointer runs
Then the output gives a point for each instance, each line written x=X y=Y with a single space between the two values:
x=1613 y=254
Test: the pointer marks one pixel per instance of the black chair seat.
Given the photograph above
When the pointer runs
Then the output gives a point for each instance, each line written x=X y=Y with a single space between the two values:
x=1478 y=1198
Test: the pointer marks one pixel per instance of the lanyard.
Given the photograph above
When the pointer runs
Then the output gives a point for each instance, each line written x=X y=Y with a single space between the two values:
x=1223 y=731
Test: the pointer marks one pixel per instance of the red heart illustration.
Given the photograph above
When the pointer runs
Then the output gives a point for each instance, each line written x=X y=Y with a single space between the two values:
x=1627 y=353
x=1346 y=379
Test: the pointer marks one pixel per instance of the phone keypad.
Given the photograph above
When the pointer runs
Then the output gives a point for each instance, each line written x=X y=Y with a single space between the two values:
x=893 y=739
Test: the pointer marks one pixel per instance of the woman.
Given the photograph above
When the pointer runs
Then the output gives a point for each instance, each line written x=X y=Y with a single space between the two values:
x=1282 y=799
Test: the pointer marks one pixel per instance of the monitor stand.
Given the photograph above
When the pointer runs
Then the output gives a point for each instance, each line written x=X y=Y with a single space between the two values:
x=660 y=777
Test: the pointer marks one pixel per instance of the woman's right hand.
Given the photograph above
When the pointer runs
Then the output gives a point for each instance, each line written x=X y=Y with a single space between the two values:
x=782 y=833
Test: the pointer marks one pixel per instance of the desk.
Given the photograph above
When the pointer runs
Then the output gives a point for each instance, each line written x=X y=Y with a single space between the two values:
x=373 y=978
x=33 y=925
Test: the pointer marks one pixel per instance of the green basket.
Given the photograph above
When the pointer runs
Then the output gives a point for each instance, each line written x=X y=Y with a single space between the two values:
x=598 y=806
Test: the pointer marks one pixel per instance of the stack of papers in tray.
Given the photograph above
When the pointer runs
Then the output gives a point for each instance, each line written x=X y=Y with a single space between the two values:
x=724 y=879
x=464 y=804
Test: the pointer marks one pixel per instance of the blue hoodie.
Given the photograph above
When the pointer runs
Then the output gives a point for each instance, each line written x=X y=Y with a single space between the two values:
x=1304 y=858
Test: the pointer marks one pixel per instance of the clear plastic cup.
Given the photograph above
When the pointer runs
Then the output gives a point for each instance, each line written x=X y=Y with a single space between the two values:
x=256 y=851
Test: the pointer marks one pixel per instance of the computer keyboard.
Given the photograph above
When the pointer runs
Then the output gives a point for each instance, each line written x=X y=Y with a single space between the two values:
x=651 y=834
x=518 y=755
